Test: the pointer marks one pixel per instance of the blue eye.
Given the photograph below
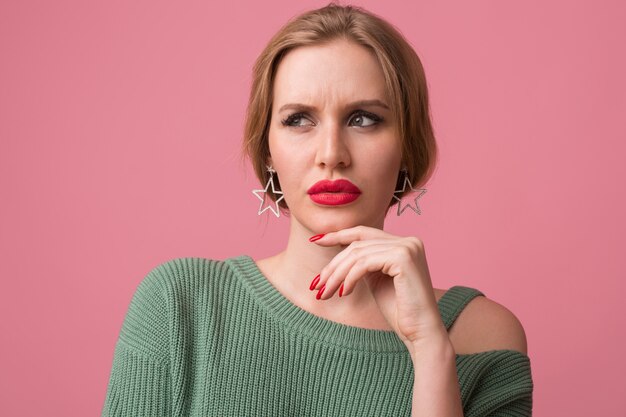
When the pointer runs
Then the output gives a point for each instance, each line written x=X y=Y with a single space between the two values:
x=289 y=121
x=294 y=120
x=360 y=114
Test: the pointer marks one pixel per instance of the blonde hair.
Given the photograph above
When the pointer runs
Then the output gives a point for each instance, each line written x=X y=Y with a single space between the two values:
x=405 y=83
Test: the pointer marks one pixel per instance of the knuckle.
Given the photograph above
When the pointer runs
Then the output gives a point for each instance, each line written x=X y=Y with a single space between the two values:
x=415 y=243
x=325 y=271
x=405 y=252
x=359 y=264
x=354 y=245
x=351 y=277
x=355 y=251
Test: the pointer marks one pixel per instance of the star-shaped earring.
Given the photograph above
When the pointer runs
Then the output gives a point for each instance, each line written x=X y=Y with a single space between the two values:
x=264 y=191
x=421 y=192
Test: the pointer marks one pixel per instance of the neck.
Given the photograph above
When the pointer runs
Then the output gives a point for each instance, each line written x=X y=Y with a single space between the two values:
x=302 y=260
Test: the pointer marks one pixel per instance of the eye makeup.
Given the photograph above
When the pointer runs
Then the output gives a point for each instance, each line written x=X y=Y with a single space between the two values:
x=289 y=120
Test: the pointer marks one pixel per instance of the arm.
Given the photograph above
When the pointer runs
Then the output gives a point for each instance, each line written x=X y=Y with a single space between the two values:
x=396 y=272
x=436 y=389
x=502 y=382
x=139 y=383
x=505 y=385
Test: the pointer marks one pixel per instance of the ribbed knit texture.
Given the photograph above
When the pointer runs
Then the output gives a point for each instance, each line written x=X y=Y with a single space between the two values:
x=207 y=337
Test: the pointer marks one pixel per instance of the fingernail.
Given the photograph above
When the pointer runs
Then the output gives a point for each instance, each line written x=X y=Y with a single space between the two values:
x=314 y=282
x=321 y=291
x=341 y=290
x=316 y=237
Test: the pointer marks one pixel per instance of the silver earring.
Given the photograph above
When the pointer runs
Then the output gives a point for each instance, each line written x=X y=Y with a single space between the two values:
x=264 y=191
x=420 y=190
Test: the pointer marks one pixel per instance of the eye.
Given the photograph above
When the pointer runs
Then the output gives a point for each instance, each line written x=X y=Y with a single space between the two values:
x=361 y=115
x=294 y=120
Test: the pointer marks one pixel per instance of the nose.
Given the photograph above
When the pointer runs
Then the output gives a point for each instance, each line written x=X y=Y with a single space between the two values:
x=332 y=149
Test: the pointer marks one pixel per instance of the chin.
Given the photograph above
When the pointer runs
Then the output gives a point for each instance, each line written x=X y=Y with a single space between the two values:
x=331 y=221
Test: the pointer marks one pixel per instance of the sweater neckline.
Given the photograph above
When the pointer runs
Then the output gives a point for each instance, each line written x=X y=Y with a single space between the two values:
x=308 y=324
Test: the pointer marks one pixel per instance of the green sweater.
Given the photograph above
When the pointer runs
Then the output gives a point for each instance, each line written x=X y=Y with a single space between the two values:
x=206 y=337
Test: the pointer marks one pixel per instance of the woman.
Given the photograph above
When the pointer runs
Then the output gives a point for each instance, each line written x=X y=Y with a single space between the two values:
x=345 y=321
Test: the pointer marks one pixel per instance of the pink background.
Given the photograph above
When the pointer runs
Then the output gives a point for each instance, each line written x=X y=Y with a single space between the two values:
x=120 y=120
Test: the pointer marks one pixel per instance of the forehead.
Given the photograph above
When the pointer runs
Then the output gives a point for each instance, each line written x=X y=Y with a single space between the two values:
x=331 y=74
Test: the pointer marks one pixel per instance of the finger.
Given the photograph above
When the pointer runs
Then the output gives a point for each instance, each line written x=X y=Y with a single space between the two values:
x=347 y=236
x=362 y=267
x=357 y=257
x=394 y=261
x=378 y=263
x=329 y=269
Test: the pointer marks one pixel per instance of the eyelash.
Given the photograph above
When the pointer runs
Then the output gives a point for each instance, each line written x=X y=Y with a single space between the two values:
x=289 y=119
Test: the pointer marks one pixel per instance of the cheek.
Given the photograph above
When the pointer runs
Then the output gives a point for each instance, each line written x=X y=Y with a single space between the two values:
x=387 y=162
x=386 y=169
x=286 y=165
x=276 y=150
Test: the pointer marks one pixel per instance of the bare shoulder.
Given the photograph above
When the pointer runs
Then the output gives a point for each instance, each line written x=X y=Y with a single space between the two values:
x=485 y=324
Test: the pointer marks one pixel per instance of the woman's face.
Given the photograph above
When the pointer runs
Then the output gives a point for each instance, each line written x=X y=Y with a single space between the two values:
x=318 y=131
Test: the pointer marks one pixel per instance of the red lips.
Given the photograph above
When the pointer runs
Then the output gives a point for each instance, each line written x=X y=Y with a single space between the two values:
x=337 y=186
x=333 y=193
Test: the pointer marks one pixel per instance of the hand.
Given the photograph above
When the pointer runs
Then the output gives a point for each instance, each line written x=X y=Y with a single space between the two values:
x=396 y=273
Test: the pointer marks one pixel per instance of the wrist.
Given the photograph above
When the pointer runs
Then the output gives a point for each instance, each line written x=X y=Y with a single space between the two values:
x=438 y=345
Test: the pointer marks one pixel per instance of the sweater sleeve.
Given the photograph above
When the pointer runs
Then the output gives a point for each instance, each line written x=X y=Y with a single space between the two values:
x=503 y=386
x=139 y=383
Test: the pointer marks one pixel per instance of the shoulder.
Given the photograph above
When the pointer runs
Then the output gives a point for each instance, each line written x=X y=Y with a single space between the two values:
x=164 y=294
x=176 y=272
x=171 y=282
x=485 y=324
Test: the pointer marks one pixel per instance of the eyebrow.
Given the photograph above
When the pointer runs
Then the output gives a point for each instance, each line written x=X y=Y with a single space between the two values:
x=360 y=103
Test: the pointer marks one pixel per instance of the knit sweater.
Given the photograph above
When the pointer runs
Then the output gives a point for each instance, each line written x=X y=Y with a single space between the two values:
x=205 y=337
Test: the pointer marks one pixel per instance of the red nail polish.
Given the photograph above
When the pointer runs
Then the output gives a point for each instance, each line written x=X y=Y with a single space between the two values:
x=341 y=290
x=316 y=237
x=314 y=282
x=319 y=294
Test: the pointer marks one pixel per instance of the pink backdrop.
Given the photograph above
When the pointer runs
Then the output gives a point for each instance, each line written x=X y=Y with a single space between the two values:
x=120 y=120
